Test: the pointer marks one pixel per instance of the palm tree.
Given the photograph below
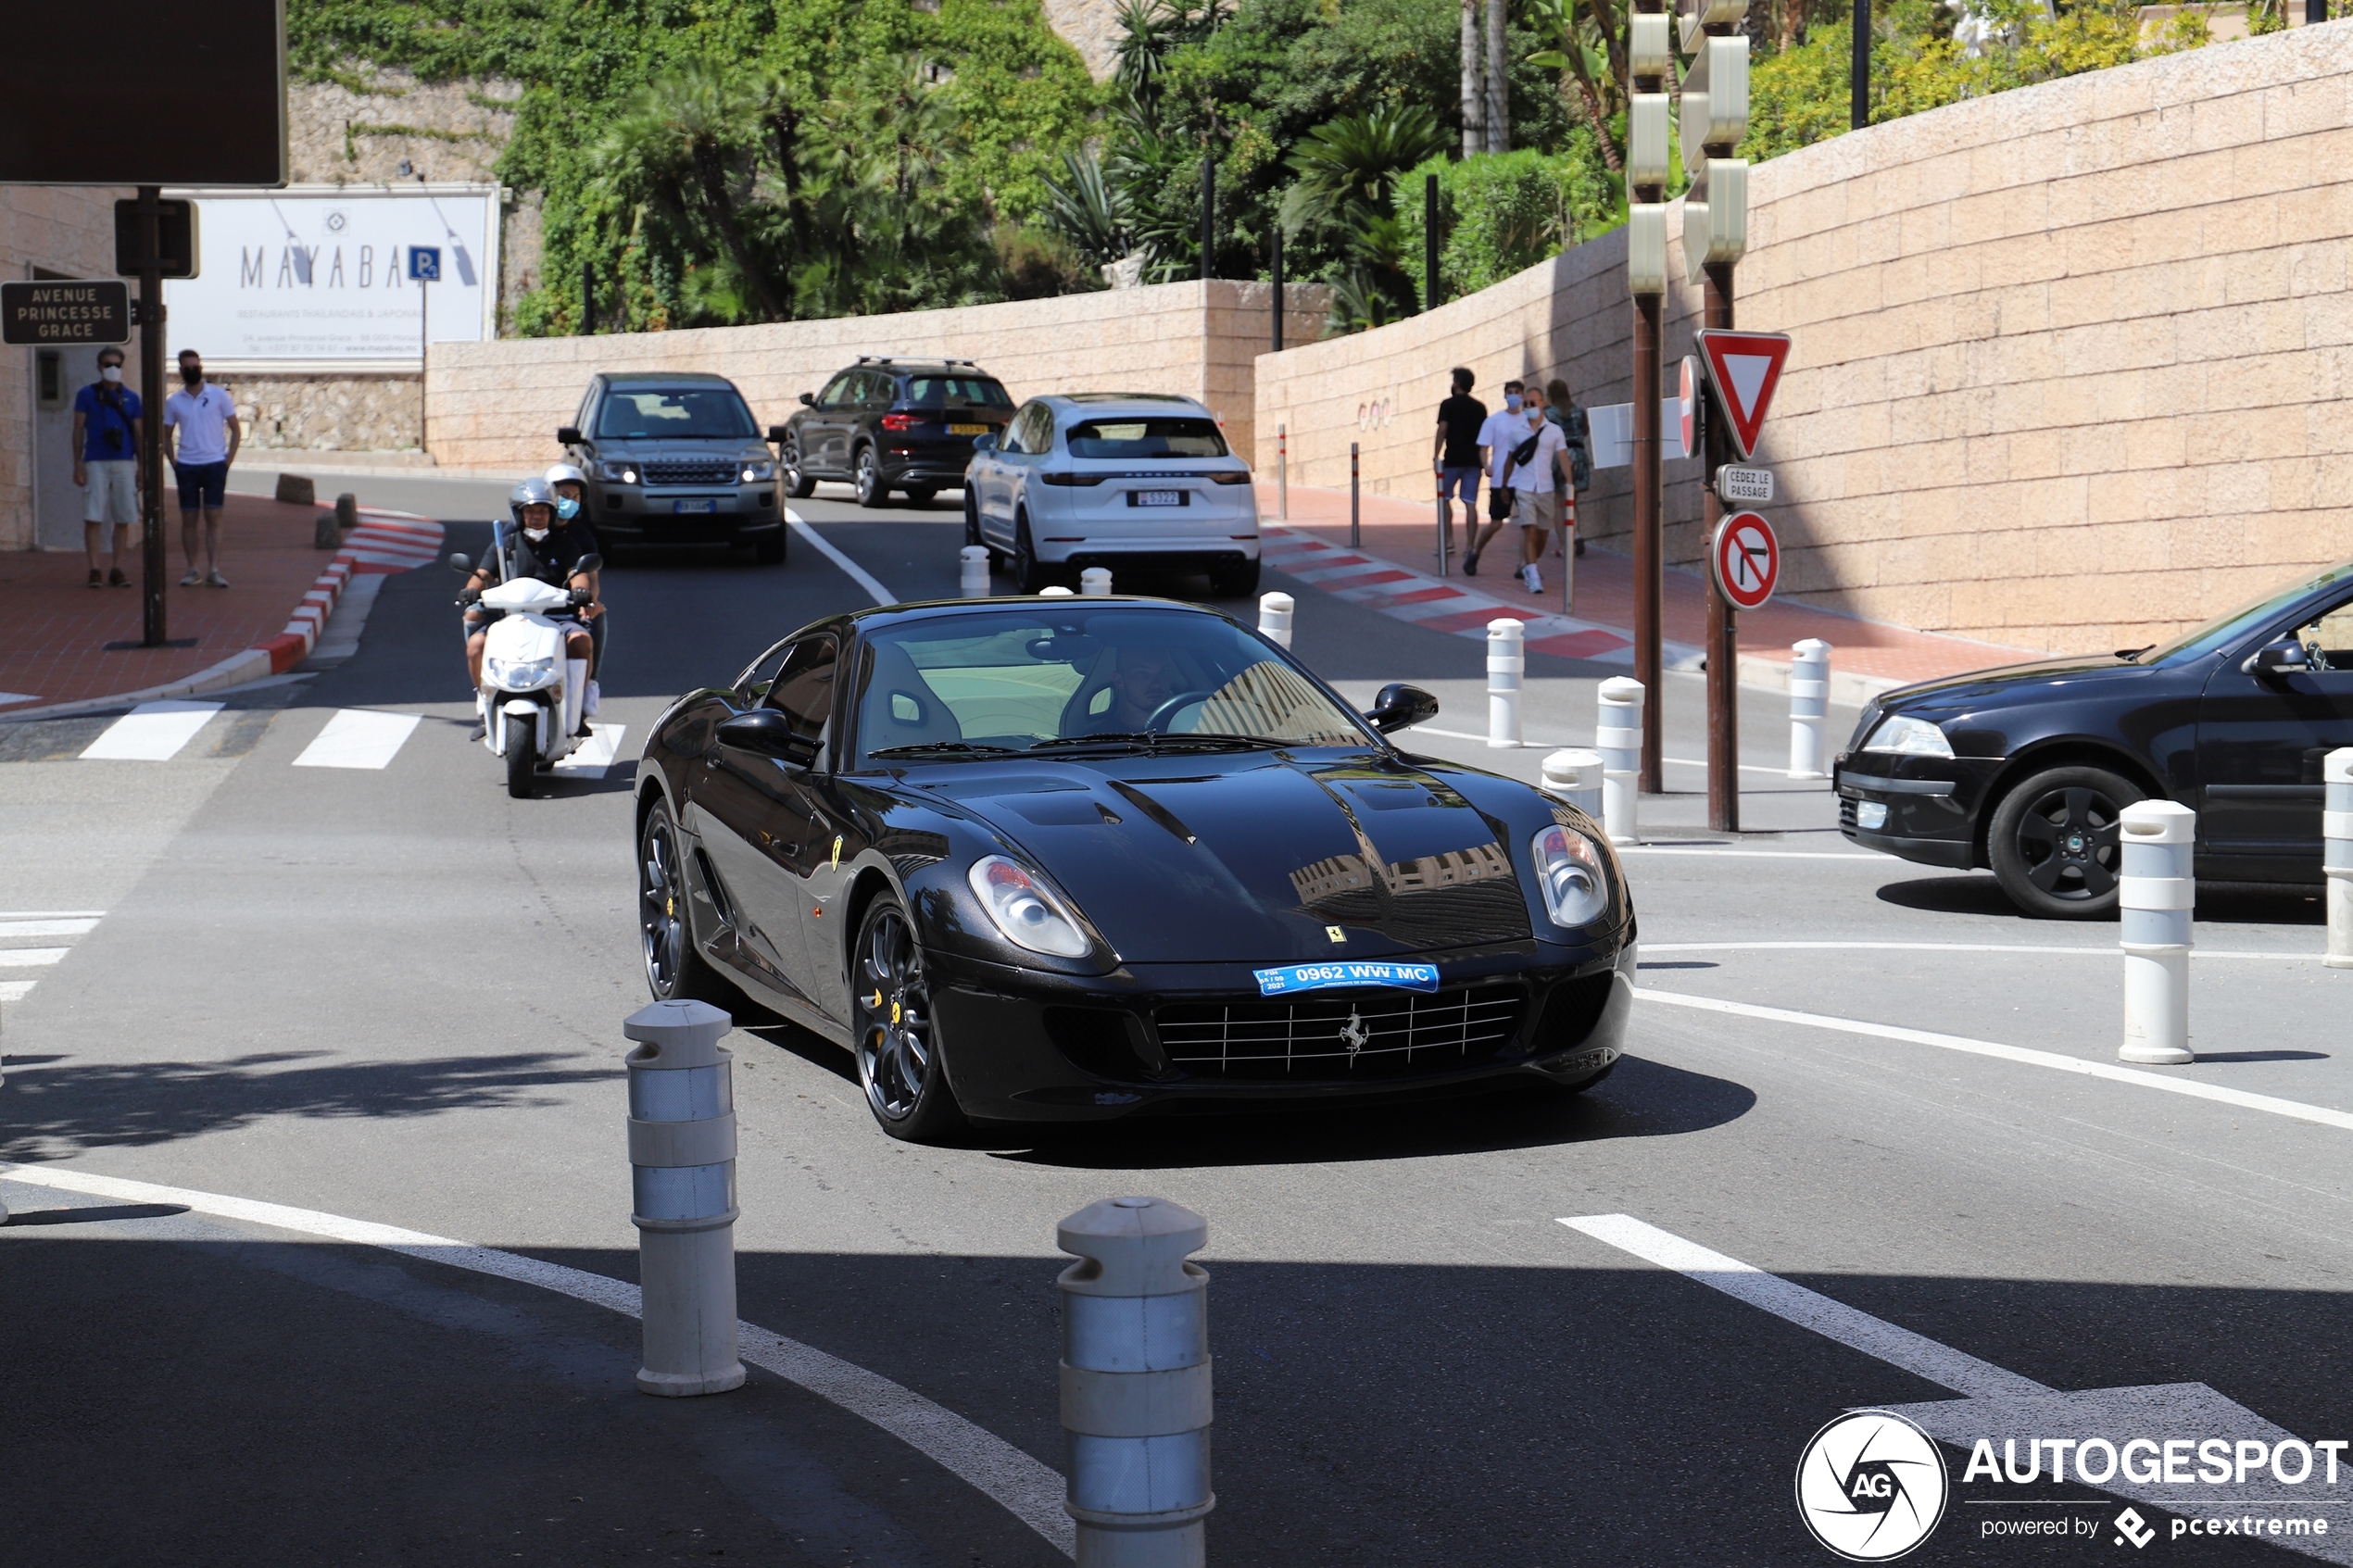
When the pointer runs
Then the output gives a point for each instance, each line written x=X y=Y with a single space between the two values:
x=685 y=143
x=1348 y=168
x=1088 y=210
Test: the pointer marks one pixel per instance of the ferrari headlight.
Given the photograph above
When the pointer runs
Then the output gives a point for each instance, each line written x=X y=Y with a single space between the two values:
x=1568 y=868
x=617 y=472
x=521 y=674
x=1026 y=914
x=755 y=471
x=1912 y=737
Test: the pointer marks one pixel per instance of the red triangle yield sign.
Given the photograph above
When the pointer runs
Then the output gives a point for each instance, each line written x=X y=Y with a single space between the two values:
x=1744 y=368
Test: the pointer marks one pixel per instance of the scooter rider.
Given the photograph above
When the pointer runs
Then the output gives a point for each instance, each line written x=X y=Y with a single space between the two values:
x=536 y=549
x=571 y=486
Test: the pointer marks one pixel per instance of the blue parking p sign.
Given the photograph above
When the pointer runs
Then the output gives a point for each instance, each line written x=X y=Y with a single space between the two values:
x=424 y=263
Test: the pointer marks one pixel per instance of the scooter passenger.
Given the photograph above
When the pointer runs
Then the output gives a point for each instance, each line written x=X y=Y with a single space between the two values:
x=571 y=486
x=536 y=549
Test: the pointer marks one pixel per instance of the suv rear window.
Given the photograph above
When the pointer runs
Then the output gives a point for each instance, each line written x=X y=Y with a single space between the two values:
x=707 y=413
x=974 y=391
x=1155 y=435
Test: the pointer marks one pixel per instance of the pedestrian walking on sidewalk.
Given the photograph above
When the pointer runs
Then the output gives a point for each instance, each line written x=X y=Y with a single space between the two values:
x=1503 y=427
x=1578 y=465
x=201 y=439
x=105 y=463
x=1531 y=472
x=1455 y=455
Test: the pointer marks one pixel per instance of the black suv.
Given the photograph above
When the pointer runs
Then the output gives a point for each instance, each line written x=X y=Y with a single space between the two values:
x=887 y=424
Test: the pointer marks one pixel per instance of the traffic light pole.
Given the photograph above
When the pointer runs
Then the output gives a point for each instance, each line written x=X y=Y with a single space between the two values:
x=1723 y=628
x=152 y=633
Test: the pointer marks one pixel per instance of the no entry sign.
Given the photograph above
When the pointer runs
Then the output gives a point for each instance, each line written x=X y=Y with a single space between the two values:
x=1745 y=561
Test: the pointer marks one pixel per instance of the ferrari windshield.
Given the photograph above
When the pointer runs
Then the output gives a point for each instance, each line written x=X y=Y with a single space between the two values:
x=1065 y=677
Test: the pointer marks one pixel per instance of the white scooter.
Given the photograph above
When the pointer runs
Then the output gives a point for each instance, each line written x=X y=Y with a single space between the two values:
x=531 y=694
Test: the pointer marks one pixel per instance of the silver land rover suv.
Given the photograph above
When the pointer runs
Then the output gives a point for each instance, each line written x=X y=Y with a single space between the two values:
x=675 y=459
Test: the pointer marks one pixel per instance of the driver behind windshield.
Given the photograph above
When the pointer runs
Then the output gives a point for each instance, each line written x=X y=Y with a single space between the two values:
x=537 y=549
x=1144 y=676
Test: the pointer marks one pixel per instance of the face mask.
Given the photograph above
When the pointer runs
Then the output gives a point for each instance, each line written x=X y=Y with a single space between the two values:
x=534 y=534
x=1536 y=418
x=192 y=377
x=1511 y=401
x=110 y=372
x=567 y=508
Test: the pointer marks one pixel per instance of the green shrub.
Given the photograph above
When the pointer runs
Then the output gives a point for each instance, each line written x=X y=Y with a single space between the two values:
x=1502 y=213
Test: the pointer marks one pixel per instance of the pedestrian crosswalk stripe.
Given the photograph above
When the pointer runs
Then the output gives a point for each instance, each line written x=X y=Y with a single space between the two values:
x=16 y=925
x=47 y=925
x=153 y=731
x=14 y=990
x=596 y=753
x=357 y=737
x=30 y=958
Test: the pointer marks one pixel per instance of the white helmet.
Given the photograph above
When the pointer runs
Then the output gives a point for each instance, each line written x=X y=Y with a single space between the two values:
x=530 y=493
x=565 y=474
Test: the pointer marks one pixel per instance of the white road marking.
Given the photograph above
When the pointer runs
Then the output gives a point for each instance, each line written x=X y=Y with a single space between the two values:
x=356 y=737
x=595 y=754
x=14 y=990
x=2193 y=1087
x=858 y=574
x=1941 y=948
x=49 y=925
x=1753 y=854
x=30 y=958
x=1030 y=1491
x=1558 y=745
x=153 y=731
x=1998 y=1404
x=9 y=700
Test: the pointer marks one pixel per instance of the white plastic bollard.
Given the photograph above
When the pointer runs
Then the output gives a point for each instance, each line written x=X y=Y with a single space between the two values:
x=681 y=1158
x=974 y=583
x=1576 y=776
x=2155 y=894
x=1135 y=1383
x=1506 y=662
x=1274 y=617
x=2337 y=857
x=1056 y=591
x=1095 y=581
x=1618 y=738
x=1809 y=707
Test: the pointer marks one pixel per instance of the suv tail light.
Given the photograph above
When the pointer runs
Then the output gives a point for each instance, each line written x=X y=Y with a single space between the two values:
x=1073 y=479
x=899 y=422
x=1241 y=478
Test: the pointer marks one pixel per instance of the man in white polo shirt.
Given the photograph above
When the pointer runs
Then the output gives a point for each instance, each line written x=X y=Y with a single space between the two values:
x=201 y=437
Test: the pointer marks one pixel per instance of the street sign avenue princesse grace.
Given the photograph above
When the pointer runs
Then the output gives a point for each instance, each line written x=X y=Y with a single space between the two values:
x=50 y=313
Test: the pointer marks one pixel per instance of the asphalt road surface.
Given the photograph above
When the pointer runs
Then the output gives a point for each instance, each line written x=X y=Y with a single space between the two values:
x=393 y=996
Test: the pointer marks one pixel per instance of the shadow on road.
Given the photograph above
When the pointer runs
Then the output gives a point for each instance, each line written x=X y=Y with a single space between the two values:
x=2226 y=904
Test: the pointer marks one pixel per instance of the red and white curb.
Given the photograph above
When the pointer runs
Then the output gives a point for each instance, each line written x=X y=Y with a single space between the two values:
x=384 y=542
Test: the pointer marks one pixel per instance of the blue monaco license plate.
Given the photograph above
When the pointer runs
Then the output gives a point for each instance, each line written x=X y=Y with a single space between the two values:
x=694 y=506
x=1158 y=498
x=1324 y=976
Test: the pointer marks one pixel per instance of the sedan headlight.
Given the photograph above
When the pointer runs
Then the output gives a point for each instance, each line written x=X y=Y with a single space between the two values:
x=763 y=468
x=1912 y=737
x=617 y=472
x=521 y=674
x=1568 y=868
x=1025 y=913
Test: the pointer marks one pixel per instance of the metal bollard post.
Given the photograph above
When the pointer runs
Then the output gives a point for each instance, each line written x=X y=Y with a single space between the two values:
x=682 y=1157
x=2154 y=895
x=1274 y=617
x=1135 y=1383
x=2336 y=857
x=1355 y=528
x=1618 y=737
x=1576 y=776
x=1095 y=581
x=1506 y=662
x=1809 y=707
x=1569 y=554
x=1282 y=473
x=974 y=581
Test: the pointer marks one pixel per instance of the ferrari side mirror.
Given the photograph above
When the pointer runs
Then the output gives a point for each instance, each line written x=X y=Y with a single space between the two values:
x=766 y=732
x=1399 y=706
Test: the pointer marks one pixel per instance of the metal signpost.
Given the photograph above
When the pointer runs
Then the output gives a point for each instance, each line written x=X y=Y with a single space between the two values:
x=424 y=267
x=1649 y=56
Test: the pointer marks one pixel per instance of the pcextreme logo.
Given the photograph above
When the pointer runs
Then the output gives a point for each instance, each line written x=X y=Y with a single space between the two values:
x=1871 y=1486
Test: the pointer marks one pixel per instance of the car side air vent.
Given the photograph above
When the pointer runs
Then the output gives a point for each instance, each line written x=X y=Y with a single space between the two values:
x=1103 y=1041
x=708 y=875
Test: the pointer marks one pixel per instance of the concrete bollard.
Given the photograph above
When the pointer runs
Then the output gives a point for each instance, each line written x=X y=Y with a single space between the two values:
x=2337 y=857
x=326 y=532
x=1809 y=707
x=1095 y=581
x=1506 y=662
x=1274 y=617
x=972 y=580
x=682 y=1157
x=1618 y=737
x=1135 y=1383
x=2156 y=893
x=347 y=511
x=1577 y=777
x=1056 y=591
x=297 y=490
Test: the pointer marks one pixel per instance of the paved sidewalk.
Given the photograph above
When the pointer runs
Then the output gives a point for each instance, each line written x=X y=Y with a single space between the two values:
x=55 y=631
x=1395 y=569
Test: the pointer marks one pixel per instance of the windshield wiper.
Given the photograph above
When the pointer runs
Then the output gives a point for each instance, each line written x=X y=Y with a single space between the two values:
x=1152 y=740
x=944 y=748
x=1109 y=737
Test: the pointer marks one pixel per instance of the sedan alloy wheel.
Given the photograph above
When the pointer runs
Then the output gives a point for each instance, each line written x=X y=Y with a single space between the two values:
x=2054 y=842
x=797 y=483
x=866 y=479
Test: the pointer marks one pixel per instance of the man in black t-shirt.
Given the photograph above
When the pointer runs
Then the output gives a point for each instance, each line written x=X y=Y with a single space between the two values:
x=1454 y=454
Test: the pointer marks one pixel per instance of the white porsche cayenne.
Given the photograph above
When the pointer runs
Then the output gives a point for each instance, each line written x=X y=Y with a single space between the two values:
x=1115 y=479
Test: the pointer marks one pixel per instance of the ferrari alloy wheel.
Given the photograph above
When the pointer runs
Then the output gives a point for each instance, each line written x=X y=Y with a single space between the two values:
x=674 y=972
x=798 y=484
x=897 y=1042
x=866 y=479
x=2053 y=842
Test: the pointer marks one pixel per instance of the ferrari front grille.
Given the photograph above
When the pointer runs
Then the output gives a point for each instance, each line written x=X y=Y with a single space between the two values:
x=1340 y=1039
